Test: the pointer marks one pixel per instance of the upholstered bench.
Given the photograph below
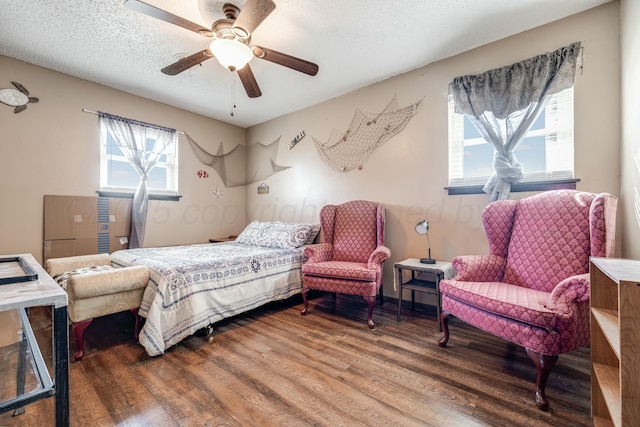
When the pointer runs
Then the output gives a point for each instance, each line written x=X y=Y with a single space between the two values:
x=95 y=289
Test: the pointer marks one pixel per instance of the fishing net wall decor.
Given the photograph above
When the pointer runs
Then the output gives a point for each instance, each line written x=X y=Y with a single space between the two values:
x=345 y=151
x=260 y=162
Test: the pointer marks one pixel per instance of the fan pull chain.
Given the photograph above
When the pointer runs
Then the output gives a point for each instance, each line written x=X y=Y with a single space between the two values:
x=233 y=94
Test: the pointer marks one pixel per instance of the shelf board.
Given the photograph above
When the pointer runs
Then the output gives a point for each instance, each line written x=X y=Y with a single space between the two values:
x=421 y=286
x=609 y=383
x=617 y=269
x=608 y=321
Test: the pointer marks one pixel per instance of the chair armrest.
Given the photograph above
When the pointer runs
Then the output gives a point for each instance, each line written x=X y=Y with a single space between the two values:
x=321 y=252
x=571 y=290
x=378 y=256
x=479 y=268
x=55 y=266
x=88 y=285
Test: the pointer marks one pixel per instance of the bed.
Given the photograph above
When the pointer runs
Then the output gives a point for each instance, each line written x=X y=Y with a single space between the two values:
x=193 y=286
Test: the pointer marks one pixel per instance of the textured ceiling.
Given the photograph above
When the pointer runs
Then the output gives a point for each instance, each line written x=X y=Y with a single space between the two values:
x=354 y=42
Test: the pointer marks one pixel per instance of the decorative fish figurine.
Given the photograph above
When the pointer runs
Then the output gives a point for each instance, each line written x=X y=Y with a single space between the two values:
x=17 y=98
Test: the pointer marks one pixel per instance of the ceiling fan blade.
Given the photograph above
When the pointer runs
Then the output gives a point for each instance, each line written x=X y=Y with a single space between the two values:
x=252 y=15
x=286 y=60
x=249 y=81
x=185 y=63
x=154 y=12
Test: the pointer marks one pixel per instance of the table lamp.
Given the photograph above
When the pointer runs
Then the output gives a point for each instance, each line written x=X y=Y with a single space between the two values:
x=423 y=228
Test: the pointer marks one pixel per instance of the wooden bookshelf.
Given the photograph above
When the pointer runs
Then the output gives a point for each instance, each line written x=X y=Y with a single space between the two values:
x=615 y=342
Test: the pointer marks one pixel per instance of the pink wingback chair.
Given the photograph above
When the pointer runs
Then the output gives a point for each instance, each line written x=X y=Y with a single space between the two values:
x=533 y=288
x=349 y=261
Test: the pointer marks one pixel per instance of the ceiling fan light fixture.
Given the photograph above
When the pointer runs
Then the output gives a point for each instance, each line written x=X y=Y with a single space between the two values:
x=230 y=53
x=240 y=32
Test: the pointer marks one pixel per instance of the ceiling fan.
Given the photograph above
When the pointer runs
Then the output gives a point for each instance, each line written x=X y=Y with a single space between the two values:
x=231 y=37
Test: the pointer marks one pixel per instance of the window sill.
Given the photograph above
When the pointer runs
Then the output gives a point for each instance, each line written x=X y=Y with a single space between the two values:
x=122 y=195
x=516 y=188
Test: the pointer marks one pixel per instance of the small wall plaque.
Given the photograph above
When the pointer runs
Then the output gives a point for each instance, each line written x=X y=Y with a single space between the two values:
x=263 y=188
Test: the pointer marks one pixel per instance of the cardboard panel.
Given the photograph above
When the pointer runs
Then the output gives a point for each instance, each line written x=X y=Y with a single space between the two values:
x=77 y=225
x=59 y=221
x=86 y=246
x=59 y=248
x=117 y=243
x=120 y=216
x=86 y=217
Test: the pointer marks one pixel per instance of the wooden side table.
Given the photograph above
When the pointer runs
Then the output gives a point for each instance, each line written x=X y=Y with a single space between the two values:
x=424 y=278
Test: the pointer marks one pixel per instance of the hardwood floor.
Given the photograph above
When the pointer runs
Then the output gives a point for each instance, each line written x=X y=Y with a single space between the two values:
x=274 y=367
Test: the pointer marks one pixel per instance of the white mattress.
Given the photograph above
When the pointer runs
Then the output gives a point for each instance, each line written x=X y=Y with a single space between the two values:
x=193 y=286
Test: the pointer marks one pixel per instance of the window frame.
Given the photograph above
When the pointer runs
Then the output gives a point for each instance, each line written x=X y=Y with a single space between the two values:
x=171 y=167
x=535 y=181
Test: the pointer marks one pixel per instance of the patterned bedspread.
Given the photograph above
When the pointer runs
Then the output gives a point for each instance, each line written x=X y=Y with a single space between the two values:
x=193 y=286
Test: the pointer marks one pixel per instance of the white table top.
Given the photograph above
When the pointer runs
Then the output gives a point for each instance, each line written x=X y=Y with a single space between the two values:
x=414 y=263
x=44 y=291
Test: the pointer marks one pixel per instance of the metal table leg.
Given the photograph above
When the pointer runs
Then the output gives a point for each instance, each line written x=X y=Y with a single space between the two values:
x=61 y=365
x=397 y=273
x=22 y=366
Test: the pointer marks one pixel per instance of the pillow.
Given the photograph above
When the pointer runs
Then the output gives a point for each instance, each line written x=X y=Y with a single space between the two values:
x=315 y=229
x=280 y=235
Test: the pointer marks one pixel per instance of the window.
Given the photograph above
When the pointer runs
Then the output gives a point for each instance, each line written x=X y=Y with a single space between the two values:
x=118 y=175
x=546 y=152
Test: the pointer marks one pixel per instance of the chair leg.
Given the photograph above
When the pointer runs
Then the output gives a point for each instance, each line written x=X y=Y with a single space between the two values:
x=305 y=310
x=444 y=324
x=371 y=300
x=136 y=330
x=544 y=365
x=78 y=334
x=381 y=294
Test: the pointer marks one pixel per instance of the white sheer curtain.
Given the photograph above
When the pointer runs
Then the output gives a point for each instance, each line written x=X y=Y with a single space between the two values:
x=131 y=136
x=505 y=102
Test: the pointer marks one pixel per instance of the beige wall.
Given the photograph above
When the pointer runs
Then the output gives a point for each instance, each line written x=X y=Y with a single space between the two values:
x=53 y=148
x=408 y=174
x=630 y=165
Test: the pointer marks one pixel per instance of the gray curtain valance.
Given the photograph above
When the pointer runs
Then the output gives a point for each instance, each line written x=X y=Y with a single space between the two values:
x=505 y=90
x=503 y=104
